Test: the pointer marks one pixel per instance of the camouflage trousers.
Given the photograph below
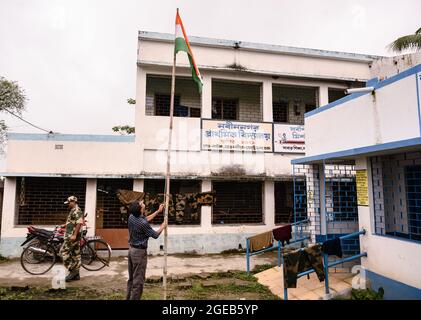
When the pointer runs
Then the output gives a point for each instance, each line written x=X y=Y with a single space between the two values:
x=70 y=253
x=300 y=261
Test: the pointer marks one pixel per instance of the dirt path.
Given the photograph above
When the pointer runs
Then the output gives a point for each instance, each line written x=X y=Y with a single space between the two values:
x=12 y=274
x=190 y=277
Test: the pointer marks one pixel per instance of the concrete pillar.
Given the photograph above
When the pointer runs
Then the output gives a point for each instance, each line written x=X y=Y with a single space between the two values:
x=267 y=101
x=140 y=99
x=90 y=205
x=140 y=116
x=9 y=208
x=207 y=97
x=323 y=95
x=366 y=213
x=313 y=200
x=206 y=211
x=138 y=185
x=269 y=203
x=323 y=217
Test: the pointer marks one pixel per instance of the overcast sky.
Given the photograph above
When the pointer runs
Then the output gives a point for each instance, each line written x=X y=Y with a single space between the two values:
x=76 y=59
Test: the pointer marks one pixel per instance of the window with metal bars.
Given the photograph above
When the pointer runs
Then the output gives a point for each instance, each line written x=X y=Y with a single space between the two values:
x=237 y=202
x=284 y=202
x=413 y=196
x=397 y=195
x=336 y=94
x=109 y=208
x=155 y=186
x=224 y=109
x=291 y=102
x=309 y=107
x=344 y=199
x=162 y=105
x=286 y=198
x=40 y=200
x=280 y=111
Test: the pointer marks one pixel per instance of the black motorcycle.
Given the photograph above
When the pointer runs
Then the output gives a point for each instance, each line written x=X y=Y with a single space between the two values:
x=43 y=250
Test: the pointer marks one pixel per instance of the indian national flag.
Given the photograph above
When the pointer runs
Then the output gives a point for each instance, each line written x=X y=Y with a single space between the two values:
x=182 y=44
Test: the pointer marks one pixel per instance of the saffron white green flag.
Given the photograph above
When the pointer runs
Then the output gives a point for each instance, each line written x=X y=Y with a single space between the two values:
x=182 y=44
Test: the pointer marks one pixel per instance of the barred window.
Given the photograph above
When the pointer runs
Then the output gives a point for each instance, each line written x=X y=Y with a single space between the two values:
x=40 y=200
x=223 y=108
x=109 y=208
x=237 y=202
x=162 y=104
x=176 y=186
x=336 y=94
x=284 y=201
x=280 y=111
x=344 y=199
x=397 y=194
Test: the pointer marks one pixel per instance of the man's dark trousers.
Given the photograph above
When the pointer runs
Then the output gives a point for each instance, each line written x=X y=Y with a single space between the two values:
x=138 y=259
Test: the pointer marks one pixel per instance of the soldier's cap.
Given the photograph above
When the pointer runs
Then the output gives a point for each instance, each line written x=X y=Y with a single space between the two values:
x=71 y=198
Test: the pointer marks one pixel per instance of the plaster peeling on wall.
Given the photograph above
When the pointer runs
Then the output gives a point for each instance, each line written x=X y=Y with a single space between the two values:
x=230 y=171
x=237 y=67
x=377 y=134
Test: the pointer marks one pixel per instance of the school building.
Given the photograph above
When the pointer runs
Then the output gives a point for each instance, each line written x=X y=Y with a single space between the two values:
x=237 y=138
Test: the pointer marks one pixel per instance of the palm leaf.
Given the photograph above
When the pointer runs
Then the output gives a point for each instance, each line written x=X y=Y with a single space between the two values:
x=410 y=42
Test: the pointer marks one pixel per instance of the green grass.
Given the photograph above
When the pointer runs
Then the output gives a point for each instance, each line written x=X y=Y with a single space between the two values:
x=359 y=294
x=3 y=259
x=261 y=267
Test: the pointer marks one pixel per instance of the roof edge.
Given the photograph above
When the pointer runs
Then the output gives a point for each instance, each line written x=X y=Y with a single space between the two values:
x=261 y=47
x=69 y=137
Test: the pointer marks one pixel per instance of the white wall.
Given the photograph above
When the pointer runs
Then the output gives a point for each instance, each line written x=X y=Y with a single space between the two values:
x=389 y=66
x=161 y=53
x=76 y=157
x=391 y=115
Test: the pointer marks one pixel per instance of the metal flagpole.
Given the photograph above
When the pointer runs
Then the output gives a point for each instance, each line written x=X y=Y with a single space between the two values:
x=167 y=177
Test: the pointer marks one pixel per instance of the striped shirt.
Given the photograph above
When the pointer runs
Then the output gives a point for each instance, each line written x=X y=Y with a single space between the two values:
x=140 y=231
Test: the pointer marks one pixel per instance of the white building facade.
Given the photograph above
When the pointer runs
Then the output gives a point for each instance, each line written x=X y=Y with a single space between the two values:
x=237 y=138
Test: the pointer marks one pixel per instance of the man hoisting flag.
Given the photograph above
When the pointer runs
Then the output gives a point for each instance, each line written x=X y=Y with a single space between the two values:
x=181 y=43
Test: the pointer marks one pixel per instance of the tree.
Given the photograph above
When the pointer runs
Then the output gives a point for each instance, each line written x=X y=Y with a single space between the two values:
x=409 y=42
x=126 y=129
x=12 y=100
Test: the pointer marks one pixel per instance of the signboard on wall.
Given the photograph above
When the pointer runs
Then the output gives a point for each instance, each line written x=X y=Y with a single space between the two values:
x=236 y=136
x=289 y=138
x=362 y=187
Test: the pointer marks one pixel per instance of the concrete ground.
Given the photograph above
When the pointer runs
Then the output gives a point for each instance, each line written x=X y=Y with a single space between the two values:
x=12 y=274
x=307 y=289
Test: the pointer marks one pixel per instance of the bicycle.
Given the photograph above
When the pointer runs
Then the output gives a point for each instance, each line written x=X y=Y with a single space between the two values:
x=44 y=246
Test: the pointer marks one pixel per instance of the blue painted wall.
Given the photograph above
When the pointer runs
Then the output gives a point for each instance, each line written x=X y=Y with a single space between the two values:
x=393 y=290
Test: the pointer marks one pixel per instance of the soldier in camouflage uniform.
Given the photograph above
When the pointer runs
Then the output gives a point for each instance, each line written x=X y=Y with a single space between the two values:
x=70 y=251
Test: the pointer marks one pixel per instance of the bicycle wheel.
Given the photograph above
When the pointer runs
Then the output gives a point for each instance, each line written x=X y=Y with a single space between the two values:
x=38 y=258
x=96 y=254
x=87 y=254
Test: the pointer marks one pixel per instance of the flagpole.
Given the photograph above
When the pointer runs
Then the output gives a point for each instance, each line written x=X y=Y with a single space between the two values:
x=167 y=177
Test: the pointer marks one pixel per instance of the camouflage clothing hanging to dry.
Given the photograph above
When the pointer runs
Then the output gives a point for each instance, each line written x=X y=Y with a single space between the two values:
x=302 y=260
x=186 y=205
